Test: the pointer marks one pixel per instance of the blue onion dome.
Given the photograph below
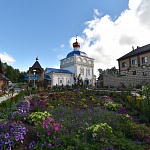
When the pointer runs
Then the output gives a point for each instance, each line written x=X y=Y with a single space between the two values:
x=76 y=53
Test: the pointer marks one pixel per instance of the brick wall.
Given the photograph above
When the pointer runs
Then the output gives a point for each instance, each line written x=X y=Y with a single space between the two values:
x=141 y=77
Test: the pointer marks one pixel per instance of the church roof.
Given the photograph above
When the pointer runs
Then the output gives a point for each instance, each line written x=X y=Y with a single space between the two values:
x=57 y=70
x=77 y=53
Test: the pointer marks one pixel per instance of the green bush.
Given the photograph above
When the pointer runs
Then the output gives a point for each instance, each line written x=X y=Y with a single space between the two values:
x=38 y=117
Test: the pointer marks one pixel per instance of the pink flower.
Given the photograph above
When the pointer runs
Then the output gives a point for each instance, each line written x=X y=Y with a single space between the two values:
x=47 y=126
x=56 y=124
x=52 y=119
x=49 y=133
x=56 y=128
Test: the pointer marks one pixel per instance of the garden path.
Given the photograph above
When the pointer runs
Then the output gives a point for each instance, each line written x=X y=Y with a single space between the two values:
x=3 y=98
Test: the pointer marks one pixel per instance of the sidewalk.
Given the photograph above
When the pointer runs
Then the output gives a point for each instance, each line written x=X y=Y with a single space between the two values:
x=3 y=98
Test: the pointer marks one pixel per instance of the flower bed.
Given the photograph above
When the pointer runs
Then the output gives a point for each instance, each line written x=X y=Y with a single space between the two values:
x=70 y=120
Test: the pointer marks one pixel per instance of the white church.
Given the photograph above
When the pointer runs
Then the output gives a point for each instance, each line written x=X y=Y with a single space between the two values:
x=76 y=64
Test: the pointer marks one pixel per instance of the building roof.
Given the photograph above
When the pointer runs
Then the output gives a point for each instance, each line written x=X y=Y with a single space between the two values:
x=37 y=66
x=2 y=77
x=135 y=52
x=57 y=70
x=77 y=53
x=36 y=77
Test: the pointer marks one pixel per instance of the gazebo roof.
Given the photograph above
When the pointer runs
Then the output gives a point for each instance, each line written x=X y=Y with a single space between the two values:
x=36 y=66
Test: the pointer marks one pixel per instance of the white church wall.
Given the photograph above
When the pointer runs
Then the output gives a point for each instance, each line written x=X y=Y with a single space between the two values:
x=55 y=79
x=65 y=79
x=86 y=73
x=69 y=68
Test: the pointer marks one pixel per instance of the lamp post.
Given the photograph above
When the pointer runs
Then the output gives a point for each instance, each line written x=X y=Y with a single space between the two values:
x=34 y=72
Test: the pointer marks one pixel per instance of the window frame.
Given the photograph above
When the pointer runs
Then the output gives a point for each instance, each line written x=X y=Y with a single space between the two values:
x=124 y=64
x=144 y=60
x=134 y=62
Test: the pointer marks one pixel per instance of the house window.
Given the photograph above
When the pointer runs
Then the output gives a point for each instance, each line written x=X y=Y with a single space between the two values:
x=134 y=62
x=133 y=72
x=123 y=65
x=144 y=60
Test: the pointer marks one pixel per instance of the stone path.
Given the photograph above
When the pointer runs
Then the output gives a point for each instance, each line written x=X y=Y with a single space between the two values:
x=3 y=98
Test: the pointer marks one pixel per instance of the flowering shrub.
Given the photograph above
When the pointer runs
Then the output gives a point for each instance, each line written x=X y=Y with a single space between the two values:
x=99 y=132
x=38 y=117
x=107 y=99
x=21 y=113
x=140 y=133
x=47 y=133
x=38 y=104
x=104 y=127
x=11 y=134
x=112 y=106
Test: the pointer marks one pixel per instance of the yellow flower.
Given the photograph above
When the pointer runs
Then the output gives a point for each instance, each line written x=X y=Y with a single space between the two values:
x=139 y=98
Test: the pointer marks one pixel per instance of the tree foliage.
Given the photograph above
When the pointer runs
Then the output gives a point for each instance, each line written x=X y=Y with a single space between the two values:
x=112 y=70
x=14 y=75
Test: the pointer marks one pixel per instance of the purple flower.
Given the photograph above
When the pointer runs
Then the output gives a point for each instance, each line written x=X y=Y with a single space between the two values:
x=17 y=138
x=11 y=143
x=7 y=135
x=49 y=145
x=8 y=148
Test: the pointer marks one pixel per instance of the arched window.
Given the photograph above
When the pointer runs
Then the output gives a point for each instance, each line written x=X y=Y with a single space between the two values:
x=89 y=72
x=86 y=71
x=82 y=70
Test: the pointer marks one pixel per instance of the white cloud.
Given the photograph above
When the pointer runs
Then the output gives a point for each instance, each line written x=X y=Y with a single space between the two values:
x=96 y=13
x=7 y=58
x=106 y=40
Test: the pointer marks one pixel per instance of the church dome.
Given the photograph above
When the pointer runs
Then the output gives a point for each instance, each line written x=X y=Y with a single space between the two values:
x=76 y=46
x=76 y=53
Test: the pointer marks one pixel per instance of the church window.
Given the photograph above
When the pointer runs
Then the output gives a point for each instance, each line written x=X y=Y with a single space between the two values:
x=86 y=71
x=89 y=72
x=82 y=70
x=60 y=81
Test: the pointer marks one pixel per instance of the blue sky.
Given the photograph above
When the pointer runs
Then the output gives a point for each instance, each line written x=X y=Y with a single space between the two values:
x=106 y=29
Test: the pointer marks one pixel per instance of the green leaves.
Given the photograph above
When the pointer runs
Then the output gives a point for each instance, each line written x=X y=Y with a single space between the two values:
x=112 y=106
x=38 y=117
